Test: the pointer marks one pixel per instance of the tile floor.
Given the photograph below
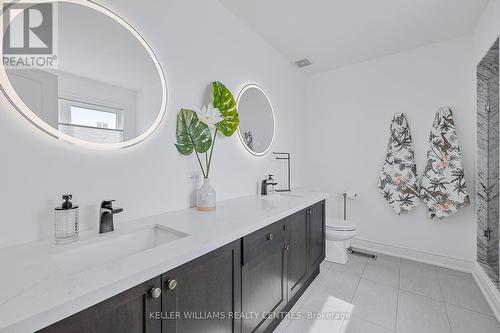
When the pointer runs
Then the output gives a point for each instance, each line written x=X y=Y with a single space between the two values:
x=390 y=295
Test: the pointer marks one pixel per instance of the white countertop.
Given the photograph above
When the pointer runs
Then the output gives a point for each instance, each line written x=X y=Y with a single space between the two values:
x=34 y=292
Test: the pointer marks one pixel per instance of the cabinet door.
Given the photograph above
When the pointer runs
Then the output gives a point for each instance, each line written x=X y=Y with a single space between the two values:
x=264 y=278
x=297 y=261
x=316 y=235
x=202 y=295
x=128 y=312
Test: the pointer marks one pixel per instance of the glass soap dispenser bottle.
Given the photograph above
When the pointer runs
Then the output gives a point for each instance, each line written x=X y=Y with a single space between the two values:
x=66 y=221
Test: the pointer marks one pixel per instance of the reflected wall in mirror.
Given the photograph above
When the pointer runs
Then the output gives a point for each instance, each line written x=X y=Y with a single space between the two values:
x=257 y=120
x=107 y=89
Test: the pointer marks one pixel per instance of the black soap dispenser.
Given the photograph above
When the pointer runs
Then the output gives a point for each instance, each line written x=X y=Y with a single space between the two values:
x=66 y=224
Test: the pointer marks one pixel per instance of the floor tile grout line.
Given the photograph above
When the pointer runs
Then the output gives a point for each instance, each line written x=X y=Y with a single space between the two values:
x=457 y=305
x=439 y=275
x=355 y=291
x=308 y=295
x=446 y=304
x=442 y=296
x=470 y=310
x=353 y=295
x=441 y=299
x=439 y=270
x=376 y=324
x=420 y=295
x=379 y=283
x=359 y=281
x=436 y=269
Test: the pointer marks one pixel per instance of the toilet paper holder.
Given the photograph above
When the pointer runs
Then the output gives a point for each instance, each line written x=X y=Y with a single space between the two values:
x=346 y=196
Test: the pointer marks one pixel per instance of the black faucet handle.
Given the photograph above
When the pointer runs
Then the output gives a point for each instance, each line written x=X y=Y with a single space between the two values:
x=116 y=211
x=107 y=204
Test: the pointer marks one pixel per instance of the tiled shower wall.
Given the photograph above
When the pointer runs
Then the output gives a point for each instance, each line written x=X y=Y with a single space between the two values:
x=493 y=172
x=488 y=162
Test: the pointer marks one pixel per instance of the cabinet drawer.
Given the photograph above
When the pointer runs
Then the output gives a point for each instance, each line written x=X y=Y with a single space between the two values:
x=263 y=239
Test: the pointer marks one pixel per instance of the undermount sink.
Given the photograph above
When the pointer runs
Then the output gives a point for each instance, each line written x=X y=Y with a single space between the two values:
x=278 y=195
x=107 y=248
x=292 y=195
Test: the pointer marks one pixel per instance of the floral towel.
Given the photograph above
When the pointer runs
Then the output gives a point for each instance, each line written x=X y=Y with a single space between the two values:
x=442 y=186
x=398 y=181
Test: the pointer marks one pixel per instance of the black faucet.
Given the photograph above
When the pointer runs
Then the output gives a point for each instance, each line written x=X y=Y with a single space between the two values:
x=106 y=216
x=265 y=183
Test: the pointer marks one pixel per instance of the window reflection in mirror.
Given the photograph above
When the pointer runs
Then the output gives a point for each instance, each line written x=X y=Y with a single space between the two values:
x=106 y=87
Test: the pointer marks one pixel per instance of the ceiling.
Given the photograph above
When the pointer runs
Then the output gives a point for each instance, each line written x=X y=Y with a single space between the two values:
x=336 y=33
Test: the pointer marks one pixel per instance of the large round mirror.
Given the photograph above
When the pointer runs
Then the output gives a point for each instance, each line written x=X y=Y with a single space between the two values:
x=81 y=73
x=257 y=123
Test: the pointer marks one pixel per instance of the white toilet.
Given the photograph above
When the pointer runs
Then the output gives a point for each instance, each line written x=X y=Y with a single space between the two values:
x=338 y=236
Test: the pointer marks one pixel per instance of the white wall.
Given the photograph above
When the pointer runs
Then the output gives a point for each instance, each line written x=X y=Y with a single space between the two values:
x=197 y=42
x=39 y=91
x=349 y=112
x=148 y=100
x=103 y=50
x=81 y=89
x=487 y=30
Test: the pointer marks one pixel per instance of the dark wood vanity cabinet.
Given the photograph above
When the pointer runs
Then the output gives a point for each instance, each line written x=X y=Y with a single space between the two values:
x=187 y=299
x=202 y=295
x=298 y=266
x=316 y=231
x=264 y=276
x=228 y=290
x=126 y=312
x=279 y=263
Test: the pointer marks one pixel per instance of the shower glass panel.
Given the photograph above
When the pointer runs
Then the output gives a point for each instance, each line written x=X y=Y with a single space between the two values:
x=488 y=164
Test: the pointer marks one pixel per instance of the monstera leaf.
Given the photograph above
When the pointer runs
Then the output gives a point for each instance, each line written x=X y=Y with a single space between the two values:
x=192 y=134
x=224 y=101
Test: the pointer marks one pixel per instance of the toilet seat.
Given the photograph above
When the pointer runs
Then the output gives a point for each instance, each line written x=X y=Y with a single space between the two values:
x=340 y=225
x=342 y=228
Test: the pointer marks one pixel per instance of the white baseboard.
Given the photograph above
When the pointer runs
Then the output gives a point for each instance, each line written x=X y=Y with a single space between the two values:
x=415 y=255
x=489 y=290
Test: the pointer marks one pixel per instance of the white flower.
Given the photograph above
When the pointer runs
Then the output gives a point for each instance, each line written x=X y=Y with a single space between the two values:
x=209 y=115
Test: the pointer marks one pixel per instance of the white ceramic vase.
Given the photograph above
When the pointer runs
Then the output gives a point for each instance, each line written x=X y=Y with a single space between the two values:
x=206 y=197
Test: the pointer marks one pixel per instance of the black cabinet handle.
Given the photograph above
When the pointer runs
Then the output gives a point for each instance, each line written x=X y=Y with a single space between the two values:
x=270 y=236
x=287 y=247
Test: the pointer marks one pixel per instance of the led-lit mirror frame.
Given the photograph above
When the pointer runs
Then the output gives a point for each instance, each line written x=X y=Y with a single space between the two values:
x=240 y=135
x=14 y=99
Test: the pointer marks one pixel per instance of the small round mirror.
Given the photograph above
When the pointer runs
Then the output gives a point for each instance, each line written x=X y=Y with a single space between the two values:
x=84 y=76
x=257 y=122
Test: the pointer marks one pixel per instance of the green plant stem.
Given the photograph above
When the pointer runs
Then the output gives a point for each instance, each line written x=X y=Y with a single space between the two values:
x=206 y=163
x=197 y=156
x=211 y=152
x=199 y=162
